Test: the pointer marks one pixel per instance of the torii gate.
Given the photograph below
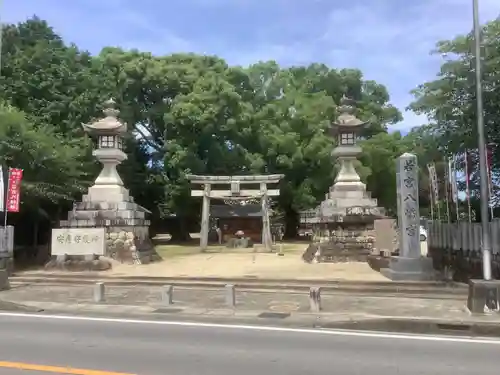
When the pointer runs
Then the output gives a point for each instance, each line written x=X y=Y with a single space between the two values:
x=235 y=193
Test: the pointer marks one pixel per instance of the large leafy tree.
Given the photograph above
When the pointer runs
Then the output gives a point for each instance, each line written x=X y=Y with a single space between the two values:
x=54 y=169
x=186 y=114
x=449 y=100
x=55 y=83
x=294 y=109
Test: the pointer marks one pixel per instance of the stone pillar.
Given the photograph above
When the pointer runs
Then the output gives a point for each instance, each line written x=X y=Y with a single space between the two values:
x=266 y=226
x=205 y=218
x=408 y=206
x=409 y=265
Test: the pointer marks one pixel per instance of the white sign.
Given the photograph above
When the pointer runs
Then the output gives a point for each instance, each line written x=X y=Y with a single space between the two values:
x=78 y=241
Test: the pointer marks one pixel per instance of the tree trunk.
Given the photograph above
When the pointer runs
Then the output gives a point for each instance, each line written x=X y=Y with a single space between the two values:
x=291 y=224
x=179 y=230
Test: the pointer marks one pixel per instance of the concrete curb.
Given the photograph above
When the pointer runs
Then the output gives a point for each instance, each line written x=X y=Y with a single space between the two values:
x=16 y=307
x=484 y=326
x=439 y=290
x=232 y=280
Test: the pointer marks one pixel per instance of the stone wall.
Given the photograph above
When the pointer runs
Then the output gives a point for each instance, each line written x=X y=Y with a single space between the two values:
x=130 y=244
x=352 y=243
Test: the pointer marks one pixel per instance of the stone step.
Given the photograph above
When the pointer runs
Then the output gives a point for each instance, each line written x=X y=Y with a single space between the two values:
x=85 y=206
x=103 y=223
x=105 y=214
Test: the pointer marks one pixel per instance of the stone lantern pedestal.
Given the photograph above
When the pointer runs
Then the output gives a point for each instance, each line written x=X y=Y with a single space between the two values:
x=107 y=205
x=343 y=224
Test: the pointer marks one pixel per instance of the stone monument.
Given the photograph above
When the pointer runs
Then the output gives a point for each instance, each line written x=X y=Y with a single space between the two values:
x=409 y=265
x=106 y=222
x=343 y=223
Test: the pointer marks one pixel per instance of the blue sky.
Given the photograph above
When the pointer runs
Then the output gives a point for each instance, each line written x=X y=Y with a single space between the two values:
x=389 y=40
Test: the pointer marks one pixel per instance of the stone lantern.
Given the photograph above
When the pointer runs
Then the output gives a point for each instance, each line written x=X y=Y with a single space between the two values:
x=342 y=223
x=107 y=223
x=347 y=128
x=109 y=132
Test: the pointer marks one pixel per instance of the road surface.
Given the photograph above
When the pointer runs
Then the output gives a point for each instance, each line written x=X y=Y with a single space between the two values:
x=42 y=345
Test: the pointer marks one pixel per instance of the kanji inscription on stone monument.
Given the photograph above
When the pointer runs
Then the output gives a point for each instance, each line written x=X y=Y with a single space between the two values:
x=408 y=207
x=78 y=241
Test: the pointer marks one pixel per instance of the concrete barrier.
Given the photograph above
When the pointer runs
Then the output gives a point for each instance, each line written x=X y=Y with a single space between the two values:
x=230 y=295
x=99 y=292
x=167 y=294
x=315 y=299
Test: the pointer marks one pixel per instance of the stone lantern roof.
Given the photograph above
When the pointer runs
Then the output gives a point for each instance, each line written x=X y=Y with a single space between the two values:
x=347 y=121
x=110 y=124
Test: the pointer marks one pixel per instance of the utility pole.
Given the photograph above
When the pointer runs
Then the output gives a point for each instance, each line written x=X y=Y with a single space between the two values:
x=483 y=168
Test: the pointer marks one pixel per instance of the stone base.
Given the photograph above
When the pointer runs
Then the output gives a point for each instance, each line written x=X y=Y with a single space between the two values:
x=310 y=252
x=239 y=243
x=127 y=230
x=335 y=253
x=78 y=264
x=7 y=263
x=409 y=269
x=4 y=279
x=130 y=244
x=484 y=296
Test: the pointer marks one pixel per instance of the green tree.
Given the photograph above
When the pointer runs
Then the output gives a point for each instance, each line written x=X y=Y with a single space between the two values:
x=380 y=154
x=54 y=170
x=54 y=83
x=294 y=109
x=190 y=114
x=449 y=101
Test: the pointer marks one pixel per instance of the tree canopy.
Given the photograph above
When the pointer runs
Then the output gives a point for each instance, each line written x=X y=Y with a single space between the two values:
x=190 y=113
x=449 y=101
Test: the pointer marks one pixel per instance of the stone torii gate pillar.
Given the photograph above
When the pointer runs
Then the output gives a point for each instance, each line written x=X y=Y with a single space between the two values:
x=263 y=193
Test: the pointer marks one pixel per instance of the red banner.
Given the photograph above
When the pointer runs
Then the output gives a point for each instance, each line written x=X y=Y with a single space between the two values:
x=14 y=189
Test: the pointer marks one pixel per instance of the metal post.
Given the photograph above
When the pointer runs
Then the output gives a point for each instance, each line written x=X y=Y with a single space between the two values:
x=483 y=173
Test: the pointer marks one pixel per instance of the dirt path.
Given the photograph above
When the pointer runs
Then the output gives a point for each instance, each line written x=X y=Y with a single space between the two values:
x=258 y=265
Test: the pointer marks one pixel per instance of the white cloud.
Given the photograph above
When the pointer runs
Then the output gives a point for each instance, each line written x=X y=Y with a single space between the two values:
x=392 y=45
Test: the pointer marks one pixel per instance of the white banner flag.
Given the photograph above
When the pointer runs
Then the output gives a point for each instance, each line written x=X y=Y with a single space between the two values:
x=453 y=179
x=434 y=182
x=2 y=190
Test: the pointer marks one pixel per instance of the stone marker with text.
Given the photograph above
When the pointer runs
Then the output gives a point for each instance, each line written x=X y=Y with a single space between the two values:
x=409 y=265
x=78 y=241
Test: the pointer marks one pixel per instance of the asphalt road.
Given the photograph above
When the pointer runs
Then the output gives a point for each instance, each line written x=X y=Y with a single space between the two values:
x=111 y=347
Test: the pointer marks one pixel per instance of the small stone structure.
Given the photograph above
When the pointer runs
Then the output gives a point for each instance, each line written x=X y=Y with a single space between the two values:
x=6 y=255
x=7 y=249
x=386 y=236
x=232 y=192
x=107 y=205
x=343 y=223
x=409 y=264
